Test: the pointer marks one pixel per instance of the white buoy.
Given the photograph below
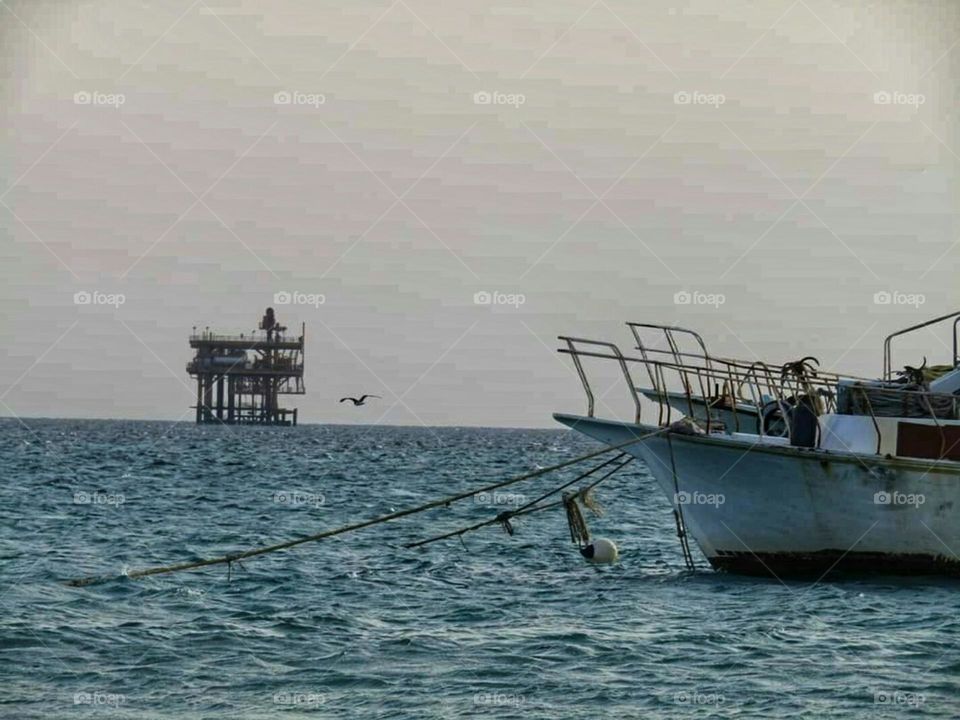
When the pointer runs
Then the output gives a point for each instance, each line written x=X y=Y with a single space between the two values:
x=601 y=551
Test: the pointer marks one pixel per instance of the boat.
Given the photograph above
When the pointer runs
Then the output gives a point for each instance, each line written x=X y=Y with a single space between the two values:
x=785 y=469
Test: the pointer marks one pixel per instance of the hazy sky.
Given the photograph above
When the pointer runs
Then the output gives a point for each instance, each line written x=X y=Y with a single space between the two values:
x=794 y=157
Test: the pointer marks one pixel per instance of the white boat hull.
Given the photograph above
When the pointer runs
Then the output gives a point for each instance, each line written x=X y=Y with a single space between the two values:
x=773 y=509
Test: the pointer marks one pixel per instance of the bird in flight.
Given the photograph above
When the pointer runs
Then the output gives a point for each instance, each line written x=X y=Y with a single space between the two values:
x=358 y=401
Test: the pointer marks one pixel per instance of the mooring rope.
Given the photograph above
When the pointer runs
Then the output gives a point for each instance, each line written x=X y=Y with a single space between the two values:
x=235 y=557
x=531 y=507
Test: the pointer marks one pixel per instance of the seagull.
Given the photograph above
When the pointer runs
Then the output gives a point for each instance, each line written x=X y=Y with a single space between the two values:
x=359 y=401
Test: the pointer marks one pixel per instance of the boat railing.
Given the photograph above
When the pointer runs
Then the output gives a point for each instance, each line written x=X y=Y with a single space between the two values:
x=253 y=338
x=707 y=385
x=679 y=356
x=576 y=354
x=773 y=394
x=669 y=334
x=887 y=363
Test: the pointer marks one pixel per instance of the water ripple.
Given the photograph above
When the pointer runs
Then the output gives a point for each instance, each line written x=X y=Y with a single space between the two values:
x=357 y=626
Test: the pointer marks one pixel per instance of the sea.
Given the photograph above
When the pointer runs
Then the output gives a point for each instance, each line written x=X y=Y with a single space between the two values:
x=358 y=626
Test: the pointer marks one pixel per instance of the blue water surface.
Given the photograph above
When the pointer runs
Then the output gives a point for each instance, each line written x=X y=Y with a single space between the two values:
x=358 y=626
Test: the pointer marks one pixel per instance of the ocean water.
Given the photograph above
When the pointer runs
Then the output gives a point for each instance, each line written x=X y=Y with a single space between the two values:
x=358 y=626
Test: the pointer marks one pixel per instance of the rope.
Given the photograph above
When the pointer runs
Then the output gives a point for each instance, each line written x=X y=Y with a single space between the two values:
x=571 y=482
x=678 y=514
x=235 y=557
x=579 y=532
x=524 y=510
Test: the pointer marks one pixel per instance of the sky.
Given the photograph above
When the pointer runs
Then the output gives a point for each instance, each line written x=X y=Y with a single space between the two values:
x=443 y=188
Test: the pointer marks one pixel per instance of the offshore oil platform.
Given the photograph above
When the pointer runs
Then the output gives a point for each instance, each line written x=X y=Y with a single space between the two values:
x=240 y=377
